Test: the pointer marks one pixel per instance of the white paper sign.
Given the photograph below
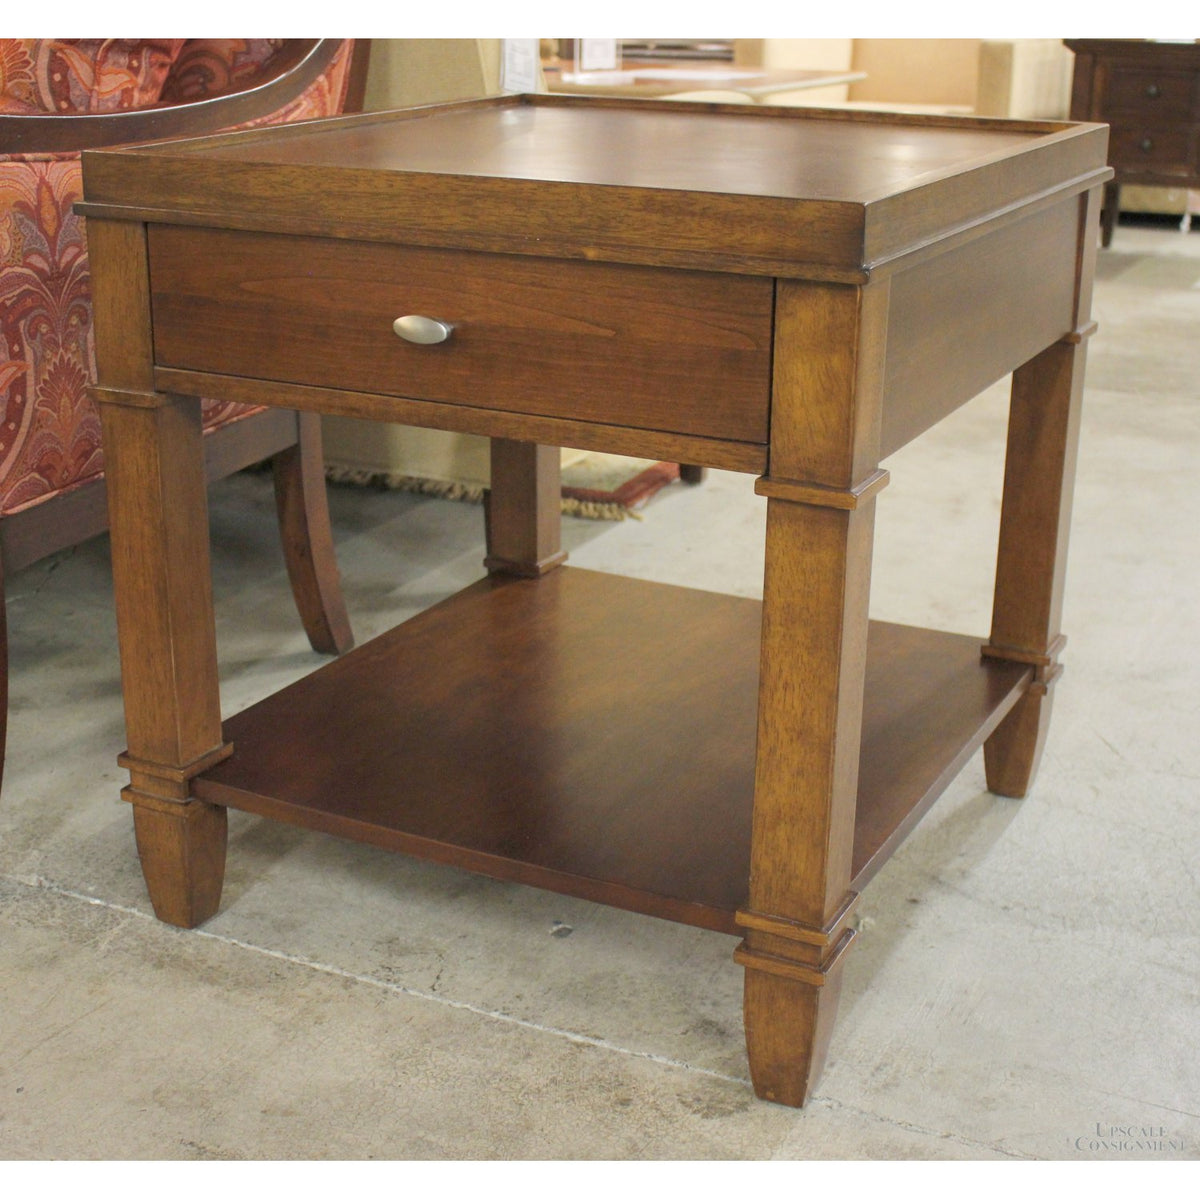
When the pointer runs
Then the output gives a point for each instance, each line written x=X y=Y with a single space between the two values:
x=519 y=65
x=597 y=54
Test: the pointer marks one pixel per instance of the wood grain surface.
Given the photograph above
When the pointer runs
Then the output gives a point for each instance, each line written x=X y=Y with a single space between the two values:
x=590 y=734
x=755 y=189
x=652 y=349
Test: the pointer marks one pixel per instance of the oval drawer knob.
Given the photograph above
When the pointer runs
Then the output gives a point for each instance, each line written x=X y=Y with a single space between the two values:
x=422 y=331
x=1146 y=145
x=1153 y=90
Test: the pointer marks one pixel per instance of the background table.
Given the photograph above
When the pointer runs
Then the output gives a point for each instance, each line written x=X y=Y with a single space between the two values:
x=654 y=79
x=788 y=293
x=1149 y=92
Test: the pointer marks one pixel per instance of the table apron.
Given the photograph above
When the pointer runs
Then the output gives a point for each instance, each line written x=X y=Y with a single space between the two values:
x=960 y=321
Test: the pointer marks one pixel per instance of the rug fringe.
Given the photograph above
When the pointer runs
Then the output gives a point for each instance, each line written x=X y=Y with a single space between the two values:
x=386 y=481
x=590 y=510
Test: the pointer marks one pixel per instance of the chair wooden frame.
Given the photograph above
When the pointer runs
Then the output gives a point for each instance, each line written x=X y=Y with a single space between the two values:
x=291 y=440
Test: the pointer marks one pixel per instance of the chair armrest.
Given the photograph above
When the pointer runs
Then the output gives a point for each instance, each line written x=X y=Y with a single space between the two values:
x=289 y=74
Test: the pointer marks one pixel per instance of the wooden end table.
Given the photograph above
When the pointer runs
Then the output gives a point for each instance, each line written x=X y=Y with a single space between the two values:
x=789 y=293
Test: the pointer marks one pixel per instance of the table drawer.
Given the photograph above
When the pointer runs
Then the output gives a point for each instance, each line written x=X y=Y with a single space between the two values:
x=1153 y=148
x=681 y=351
x=1153 y=95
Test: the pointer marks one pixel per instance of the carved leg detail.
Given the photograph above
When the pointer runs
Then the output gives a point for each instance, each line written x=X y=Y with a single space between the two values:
x=790 y=1010
x=1011 y=755
x=163 y=587
x=182 y=850
x=824 y=475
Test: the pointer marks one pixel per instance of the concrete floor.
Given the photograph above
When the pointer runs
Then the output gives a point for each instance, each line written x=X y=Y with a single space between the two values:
x=1028 y=975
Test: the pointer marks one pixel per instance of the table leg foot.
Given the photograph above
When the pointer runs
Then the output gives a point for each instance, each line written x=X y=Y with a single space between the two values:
x=1011 y=755
x=523 y=509
x=182 y=850
x=789 y=1023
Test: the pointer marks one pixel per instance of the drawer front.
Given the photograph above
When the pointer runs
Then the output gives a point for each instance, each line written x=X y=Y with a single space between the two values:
x=1150 y=148
x=680 y=351
x=1153 y=95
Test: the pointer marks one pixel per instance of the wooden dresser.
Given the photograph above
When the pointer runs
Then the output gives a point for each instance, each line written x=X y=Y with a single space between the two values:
x=1149 y=92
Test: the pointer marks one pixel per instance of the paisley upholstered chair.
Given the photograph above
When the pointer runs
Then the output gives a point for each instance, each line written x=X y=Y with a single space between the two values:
x=58 y=97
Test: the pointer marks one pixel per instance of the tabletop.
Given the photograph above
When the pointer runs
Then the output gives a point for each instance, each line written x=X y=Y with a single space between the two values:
x=760 y=189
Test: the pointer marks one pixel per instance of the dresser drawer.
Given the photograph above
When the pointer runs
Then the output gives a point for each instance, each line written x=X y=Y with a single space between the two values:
x=1152 y=95
x=679 y=351
x=1152 y=148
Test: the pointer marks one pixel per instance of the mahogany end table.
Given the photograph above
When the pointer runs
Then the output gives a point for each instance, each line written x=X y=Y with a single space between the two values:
x=789 y=293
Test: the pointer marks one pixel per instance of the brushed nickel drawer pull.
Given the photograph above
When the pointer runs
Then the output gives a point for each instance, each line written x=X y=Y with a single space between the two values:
x=1146 y=145
x=1153 y=91
x=422 y=331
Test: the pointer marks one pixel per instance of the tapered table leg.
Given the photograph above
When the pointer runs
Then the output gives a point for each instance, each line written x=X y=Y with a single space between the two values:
x=1031 y=562
x=1035 y=520
x=820 y=523
x=154 y=464
x=524 y=509
x=168 y=647
x=810 y=720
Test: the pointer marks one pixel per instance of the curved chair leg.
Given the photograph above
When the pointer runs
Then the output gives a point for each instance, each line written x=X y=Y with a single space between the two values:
x=303 y=509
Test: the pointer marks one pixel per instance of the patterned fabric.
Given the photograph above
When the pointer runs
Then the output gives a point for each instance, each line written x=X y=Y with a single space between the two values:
x=213 y=66
x=49 y=432
x=83 y=75
x=49 y=428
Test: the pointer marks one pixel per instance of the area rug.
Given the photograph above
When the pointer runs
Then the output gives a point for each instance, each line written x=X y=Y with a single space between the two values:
x=598 y=487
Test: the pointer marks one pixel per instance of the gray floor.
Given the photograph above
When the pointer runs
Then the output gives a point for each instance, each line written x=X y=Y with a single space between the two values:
x=1027 y=982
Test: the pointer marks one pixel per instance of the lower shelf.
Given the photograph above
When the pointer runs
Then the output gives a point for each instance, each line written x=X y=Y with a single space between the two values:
x=593 y=735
